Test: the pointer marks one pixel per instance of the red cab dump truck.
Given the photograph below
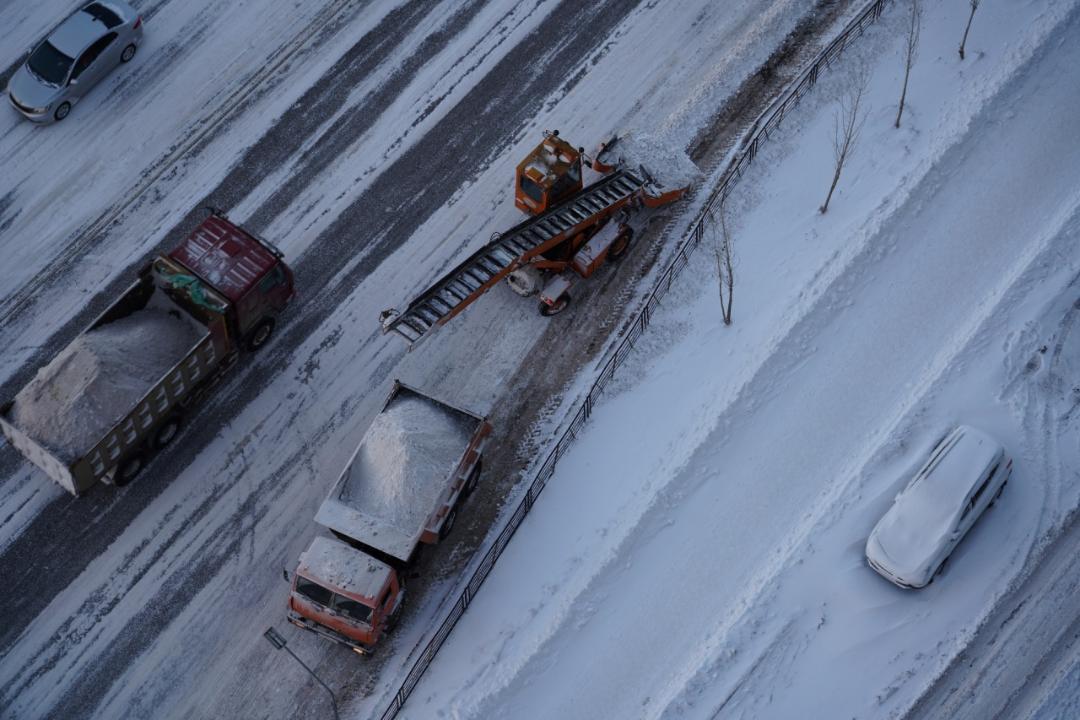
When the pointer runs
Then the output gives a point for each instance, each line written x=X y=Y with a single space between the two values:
x=119 y=390
x=402 y=488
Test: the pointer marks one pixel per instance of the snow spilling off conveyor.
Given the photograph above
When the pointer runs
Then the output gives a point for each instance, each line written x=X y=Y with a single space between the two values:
x=665 y=161
x=97 y=379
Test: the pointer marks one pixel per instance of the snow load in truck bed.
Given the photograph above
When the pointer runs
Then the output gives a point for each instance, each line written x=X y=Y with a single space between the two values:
x=399 y=472
x=96 y=380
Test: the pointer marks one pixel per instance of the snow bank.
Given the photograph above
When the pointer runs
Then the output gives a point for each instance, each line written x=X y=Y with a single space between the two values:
x=96 y=380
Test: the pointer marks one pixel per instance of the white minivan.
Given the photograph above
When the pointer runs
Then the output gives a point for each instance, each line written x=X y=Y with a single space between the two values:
x=963 y=476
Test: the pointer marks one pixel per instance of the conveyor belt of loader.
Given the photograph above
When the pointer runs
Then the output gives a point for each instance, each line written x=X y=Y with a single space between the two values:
x=507 y=251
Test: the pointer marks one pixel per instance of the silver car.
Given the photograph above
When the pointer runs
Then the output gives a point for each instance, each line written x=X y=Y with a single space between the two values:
x=73 y=58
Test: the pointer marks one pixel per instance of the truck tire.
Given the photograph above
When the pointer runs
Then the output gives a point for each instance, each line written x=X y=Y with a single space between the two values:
x=621 y=244
x=129 y=469
x=259 y=334
x=560 y=305
x=473 y=480
x=167 y=432
x=448 y=523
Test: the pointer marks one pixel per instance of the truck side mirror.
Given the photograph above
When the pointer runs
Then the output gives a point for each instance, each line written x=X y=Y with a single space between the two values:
x=285 y=574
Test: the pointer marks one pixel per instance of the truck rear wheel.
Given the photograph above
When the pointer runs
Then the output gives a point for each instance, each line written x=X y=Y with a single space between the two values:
x=260 y=334
x=448 y=523
x=129 y=469
x=167 y=432
x=474 y=479
x=622 y=242
x=557 y=307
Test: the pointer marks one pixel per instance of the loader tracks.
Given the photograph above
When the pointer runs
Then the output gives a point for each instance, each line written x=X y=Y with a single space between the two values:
x=18 y=304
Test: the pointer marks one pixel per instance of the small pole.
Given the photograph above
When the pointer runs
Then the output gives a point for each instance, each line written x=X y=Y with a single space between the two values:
x=275 y=638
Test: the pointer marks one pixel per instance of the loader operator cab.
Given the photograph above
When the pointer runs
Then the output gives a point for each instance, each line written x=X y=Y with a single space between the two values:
x=548 y=175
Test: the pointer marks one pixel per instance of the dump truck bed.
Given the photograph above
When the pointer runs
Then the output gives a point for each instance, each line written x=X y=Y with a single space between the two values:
x=104 y=391
x=407 y=471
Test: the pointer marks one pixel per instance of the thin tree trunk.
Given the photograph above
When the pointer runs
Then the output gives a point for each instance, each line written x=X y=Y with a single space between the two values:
x=914 y=30
x=730 y=285
x=963 y=41
x=836 y=178
x=903 y=94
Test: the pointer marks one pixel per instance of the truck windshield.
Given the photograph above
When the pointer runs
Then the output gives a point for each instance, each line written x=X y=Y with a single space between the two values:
x=313 y=591
x=352 y=609
x=333 y=601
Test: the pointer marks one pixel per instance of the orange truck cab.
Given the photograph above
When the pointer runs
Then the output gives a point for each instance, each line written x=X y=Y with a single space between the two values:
x=415 y=466
x=548 y=175
x=344 y=595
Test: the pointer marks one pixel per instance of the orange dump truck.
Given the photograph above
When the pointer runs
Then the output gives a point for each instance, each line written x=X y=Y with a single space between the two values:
x=119 y=391
x=415 y=465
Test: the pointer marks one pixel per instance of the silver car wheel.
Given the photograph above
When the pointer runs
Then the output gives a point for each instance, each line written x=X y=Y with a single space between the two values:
x=62 y=111
x=129 y=52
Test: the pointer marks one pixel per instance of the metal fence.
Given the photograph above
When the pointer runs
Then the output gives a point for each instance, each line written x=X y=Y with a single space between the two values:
x=767 y=123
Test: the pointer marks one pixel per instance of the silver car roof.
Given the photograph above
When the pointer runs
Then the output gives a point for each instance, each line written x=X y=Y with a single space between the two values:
x=77 y=33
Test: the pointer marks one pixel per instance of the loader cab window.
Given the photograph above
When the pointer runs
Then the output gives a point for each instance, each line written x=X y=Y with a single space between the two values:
x=530 y=188
x=568 y=184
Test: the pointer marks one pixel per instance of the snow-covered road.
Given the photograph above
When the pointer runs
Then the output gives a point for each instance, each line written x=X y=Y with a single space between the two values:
x=370 y=156
x=699 y=553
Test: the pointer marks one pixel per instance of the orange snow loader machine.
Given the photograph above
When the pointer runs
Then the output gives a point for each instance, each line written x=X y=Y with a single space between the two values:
x=572 y=231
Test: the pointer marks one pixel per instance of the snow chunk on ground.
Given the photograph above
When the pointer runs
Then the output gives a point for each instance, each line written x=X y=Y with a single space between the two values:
x=96 y=380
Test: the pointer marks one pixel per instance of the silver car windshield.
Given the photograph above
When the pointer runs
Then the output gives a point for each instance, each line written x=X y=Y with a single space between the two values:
x=49 y=64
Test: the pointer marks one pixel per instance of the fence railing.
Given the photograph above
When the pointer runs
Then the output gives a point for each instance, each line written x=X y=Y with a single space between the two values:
x=767 y=123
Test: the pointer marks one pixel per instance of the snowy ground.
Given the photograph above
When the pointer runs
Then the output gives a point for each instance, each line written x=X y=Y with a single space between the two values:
x=699 y=553
x=373 y=144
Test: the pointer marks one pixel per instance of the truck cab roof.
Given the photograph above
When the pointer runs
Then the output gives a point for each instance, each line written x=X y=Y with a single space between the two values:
x=225 y=256
x=337 y=566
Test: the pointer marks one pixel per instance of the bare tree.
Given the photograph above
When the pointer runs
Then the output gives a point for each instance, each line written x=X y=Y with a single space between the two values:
x=912 y=52
x=847 y=125
x=725 y=266
x=963 y=41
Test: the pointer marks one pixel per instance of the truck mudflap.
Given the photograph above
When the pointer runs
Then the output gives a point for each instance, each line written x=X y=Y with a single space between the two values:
x=307 y=624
